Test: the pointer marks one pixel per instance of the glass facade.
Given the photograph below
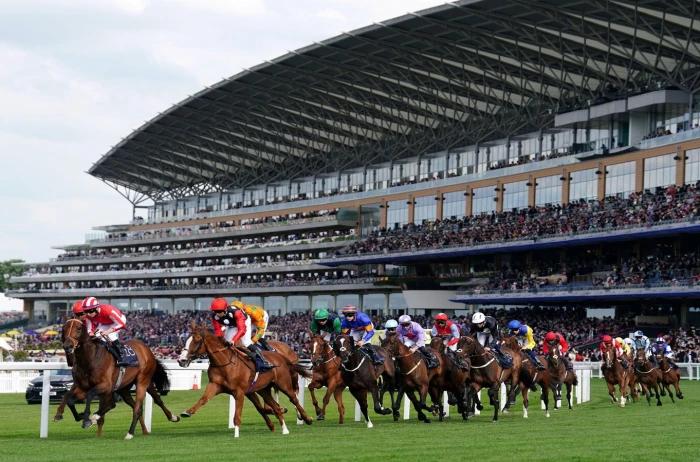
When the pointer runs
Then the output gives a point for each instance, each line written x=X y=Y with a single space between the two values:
x=347 y=299
x=692 y=166
x=620 y=179
x=548 y=190
x=453 y=204
x=397 y=215
x=425 y=209
x=659 y=171
x=515 y=195
x=483 y=200
x=583 y=185
x=375 y=302
x=298 y=303
x=369 y=218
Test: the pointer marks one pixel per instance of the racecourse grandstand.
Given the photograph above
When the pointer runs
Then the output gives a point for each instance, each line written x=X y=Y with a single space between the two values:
x=476 y=153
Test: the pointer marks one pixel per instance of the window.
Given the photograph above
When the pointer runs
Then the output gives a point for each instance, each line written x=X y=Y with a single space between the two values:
x=424 y=169
x=619 y=180
x=381 y=177
x=692 y=166
x=357 y=179
x=409 y=171
x=397 y=215
x=468 y=162
x=515 y=195
x=484 y=200
x=528 y=149
x=583 y=185
x=424 y=209
x=330 y=185
x=438 y=167
x=548 y=190
x=498 y=156
x=453 y=204
x=659 y=171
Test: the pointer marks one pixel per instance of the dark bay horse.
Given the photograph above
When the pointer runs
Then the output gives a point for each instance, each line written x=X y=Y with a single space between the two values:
x=670 y=377
x=486 y=372
x=361 y=376
x=413 y=376
x=530 y=376
x=648 y=376
x=455 y=375
x=615 y=374
x=232 y=372
x=561 y=376
x=326 y=373
x=95 y=370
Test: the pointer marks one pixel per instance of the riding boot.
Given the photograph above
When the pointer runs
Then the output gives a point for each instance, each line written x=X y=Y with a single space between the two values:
x=672 y=364
x=430 y=358
x=504 y=360
x=535 y=360
x=261 y=364
x=117 y=352
x=263 y=343
x=373 y=354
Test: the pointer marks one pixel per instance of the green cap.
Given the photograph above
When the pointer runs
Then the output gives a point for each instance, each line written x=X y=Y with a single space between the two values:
x=321 y=314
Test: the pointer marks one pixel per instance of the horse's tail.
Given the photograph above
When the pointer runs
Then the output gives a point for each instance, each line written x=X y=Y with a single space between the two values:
x=302 y=371
x=160 y=378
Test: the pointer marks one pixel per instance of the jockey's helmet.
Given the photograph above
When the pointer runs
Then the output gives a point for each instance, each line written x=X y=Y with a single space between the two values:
x=78 y=308
x=514 y=325
x=607 y=339
x=349 y=309
x=550 y=337
x=321 y=314
x=478 y=318
x=218 y=304
x=405 y=320
x=441 y=317
x=639 y=333
x=391 y=324
x=90 y=303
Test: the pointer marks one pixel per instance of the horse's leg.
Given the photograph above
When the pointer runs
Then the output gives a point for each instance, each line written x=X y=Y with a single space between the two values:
x=153 y=391
x=338 y=396
x=417 y=406
x=210 y=391
x=436 y=398
x=670 y=393
x=89 y=396
x=569 y=386
x=677 y=386
x=129 y=400
x=239 y=396
x=326 y=399
x=544 y=397
x=261 y=408
x=141 y=387
x=284 y=384
x=494 y=395
x=611 y=391
x=378 y=405
x=655 y=386
x=312 y=391
x=525 y=391
x=360 y=395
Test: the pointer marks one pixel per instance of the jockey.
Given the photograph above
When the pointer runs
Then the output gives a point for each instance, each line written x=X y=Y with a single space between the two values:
x=325 y=324
x=526 y=339
x=663 y=349
x=608 y=342
x=484 y=329
x=360 y=327
x=78 y=310
x=642 y=342
x=259 y=318
x=551 y=340
x=391 y=325
x=626 y=348
x=412 y=335
x=233 y=325
x=446 y=329
x=104 y=321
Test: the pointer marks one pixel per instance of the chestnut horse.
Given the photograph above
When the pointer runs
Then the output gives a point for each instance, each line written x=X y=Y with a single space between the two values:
x=670 y=376
x=455 y=375
x=486 y=372
x=326 y=373
x=413 y=375
x=361 y=376
x=232 y=372
x=95 y=370
x=648 y=376
x=560 y=375
x=529 y=377
x=615 y=374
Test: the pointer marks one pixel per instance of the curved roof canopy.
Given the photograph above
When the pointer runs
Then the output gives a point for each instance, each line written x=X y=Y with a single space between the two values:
x=441 y=78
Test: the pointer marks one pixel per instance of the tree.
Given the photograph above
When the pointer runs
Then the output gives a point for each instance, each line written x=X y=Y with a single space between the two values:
x=9 y=268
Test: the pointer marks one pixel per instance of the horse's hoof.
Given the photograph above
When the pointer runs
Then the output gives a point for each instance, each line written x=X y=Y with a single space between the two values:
x=185 y=414
x=320 y=417
x=94 y=418
x=480 y=407
x=285 y=430
x=174 y=418
x=547 y=415
x=58 y=418
x=129 y=436
x=679 y=395
x=659 y=403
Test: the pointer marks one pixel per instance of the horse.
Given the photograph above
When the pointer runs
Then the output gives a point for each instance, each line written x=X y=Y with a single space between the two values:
x=615 y=374
x=485 y=372
x=670 y=376
x=326 y=373
x=232 y=372
x=455 y=374
x=96 y=372
x=561 y=376
x=647 y=376
x=360 y=375
x=529 y=377
x=413 y=376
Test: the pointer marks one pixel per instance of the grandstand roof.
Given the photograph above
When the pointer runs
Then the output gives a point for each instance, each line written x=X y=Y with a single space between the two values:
x=438 y=79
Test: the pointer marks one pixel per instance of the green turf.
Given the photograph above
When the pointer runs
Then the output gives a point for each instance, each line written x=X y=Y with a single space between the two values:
x=594 y=431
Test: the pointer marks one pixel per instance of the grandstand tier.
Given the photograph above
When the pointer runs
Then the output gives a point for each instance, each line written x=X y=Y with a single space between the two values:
x=475 y=153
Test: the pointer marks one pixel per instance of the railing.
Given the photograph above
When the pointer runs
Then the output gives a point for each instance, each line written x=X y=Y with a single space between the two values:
x=210 y=231
x=578 y=288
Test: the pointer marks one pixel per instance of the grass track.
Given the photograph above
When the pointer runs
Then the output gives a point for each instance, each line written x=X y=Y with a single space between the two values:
x=594 y=431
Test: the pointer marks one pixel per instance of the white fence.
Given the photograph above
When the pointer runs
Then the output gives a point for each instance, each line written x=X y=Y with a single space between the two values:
x=17 y=375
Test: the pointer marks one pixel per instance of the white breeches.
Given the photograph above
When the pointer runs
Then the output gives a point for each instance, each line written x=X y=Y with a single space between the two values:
x=357 y=334
x=230 y=332
x=483 y=338
x=409 y=343
x=112 y=336
x=451 y=347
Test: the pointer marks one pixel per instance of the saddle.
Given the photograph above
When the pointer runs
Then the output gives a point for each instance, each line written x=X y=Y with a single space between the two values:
x=504 y=359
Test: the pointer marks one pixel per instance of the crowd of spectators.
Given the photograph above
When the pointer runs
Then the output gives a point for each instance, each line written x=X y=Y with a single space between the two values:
x=8 y=318
x=638 y=209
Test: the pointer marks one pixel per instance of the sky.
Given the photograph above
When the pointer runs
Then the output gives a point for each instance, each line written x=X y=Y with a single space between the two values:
x=76 y=76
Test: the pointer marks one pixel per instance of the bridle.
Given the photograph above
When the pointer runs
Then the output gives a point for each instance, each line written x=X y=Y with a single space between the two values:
x=327 y=349
x=68 y=332
x=395 y=345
